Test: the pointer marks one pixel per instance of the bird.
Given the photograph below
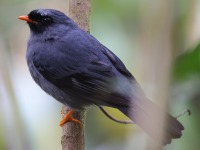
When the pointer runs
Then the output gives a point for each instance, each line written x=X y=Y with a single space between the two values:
x=72 y=66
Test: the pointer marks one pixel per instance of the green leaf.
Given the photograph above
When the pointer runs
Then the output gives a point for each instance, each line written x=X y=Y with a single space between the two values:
x=188 y=64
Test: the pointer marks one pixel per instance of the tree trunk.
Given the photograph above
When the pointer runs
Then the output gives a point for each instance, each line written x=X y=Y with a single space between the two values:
x=72 y=133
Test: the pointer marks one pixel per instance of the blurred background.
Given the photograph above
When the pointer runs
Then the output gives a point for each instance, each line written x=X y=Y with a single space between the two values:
x=157 y=40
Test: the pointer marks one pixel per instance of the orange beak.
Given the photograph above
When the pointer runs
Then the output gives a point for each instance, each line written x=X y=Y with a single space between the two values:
x=26 y=18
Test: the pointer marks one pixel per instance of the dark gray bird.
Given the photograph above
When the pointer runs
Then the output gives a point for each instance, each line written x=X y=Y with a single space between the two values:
x=77 y=70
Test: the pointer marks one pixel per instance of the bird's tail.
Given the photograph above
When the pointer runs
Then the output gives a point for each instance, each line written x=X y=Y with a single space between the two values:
x=144 y=113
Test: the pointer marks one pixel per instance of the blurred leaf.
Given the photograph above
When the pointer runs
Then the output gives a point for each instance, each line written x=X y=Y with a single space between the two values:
x=188 y=64
x=2 y=140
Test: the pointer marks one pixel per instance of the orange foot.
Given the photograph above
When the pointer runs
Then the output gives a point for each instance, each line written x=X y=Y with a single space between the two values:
x=68 y=118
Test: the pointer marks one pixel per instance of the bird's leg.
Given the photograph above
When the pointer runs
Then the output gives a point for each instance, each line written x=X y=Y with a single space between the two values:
x=68 y=118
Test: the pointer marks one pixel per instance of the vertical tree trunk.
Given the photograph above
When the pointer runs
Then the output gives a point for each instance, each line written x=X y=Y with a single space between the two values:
x=72 y=133
x=79 y=11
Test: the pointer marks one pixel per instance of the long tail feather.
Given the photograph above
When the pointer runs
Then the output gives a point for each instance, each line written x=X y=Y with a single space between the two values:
x=144 y=113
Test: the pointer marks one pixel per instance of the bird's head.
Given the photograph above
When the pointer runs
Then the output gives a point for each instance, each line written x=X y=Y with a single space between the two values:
x=40 y=20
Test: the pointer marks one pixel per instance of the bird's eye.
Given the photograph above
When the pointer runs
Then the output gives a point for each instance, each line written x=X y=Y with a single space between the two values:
x=47 y=20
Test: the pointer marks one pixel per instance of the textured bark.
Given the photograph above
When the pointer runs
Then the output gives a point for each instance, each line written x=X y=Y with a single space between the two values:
x=79 y=11
x=72 y=133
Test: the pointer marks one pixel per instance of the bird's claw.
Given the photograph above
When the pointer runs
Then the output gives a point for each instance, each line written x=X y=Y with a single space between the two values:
x=68 y=118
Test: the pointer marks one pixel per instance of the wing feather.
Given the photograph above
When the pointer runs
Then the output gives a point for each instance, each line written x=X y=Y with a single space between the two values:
x=88 y=73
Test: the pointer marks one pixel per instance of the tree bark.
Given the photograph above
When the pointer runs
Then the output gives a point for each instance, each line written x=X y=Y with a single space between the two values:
x=72 y=133
x=79 y=11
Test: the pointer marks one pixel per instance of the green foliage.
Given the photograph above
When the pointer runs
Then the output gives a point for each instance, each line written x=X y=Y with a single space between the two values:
x=188 y=64
x=185 y=73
